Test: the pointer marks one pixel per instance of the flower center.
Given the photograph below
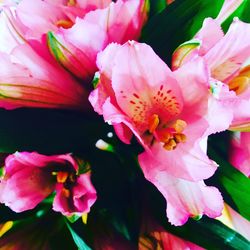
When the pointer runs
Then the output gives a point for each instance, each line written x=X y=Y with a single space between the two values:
x=66 y=24
x=241 y=82
x=67 y=179
x=169 y=134
x=71 y=3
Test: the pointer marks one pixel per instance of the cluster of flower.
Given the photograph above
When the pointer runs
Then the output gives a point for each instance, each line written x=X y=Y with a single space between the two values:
x=49 y=62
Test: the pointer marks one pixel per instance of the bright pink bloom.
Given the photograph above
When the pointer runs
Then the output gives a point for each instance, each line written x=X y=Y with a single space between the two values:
x=76 y=48
x=138 y=93
x=225 y=57
x=30 y=177
x=29 y=77
x=240 y=152
x=78 y=30
x=184 y=198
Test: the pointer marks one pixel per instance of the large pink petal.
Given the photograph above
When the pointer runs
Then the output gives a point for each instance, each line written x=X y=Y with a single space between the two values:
x=222 y=104
x=85 y=40
x=122 y=21
x=184 y=198
x=228 y=55
x=10 y=35
x=20 y=160
x=26 y=188
x=105 y=63
x=209 y=34
x=139 y=91
x=189 y=162
x=39 y=84
x=82 y=197
x=240 y=152
x=193 y=78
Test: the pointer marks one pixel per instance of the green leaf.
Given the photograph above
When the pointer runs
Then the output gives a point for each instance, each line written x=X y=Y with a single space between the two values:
x=157 y=6
x=242 y=12
x=73 y=218
x=78 y=240
x=212 y=234
x=178 y=23
x=234 y=185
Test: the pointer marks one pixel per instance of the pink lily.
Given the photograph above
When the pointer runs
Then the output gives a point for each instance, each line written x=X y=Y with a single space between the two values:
x=24 y=83
x=225 y=57
x=138 y=94
x=30 y=177
x=240 y=152
x=78 y=30
x=118 y=22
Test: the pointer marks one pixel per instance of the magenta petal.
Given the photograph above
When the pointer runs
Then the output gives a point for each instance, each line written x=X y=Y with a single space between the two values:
x=82 y=197
x=186 y=199
x=190 y=163
x=240 y=152
x=24 y=184
x=28 y=178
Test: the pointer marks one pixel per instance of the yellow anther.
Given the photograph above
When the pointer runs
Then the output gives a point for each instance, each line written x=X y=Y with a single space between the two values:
x=245 y=71
x=153 y=123
x=71 y=3
x=5 y=227
x=179 y=125
x=239 y=84
x=66 y=24
x=170 y=145
x=61 y=177
x=66 y=192
x=85 y=218
x=180 y=138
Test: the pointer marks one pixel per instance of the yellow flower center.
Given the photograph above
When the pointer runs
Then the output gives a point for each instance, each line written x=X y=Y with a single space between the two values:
x=241 y=82
x=66 y=24
x=171 y=135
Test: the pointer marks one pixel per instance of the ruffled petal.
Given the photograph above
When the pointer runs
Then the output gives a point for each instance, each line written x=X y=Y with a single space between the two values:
x=227 y=56
x=184 y=198
x=186 y=161
x=78 y=199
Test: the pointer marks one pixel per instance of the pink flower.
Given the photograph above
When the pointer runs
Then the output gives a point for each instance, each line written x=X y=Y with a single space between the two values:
x=30 y=177
x=29 y=77
x=44 y=83
x=240 y=152
x=138 y=94
x=225 y=57
x=77 y=30
x=76 y=48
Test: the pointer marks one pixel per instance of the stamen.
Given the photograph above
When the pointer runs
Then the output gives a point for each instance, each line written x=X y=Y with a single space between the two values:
x=71 y=3
x=66 y=192
x=179 y=125
x=170 y=145
x=62 y=177
x=66 y=24
x=239 y=84
x=245 y=71
x=180 y=138
x=153 y=123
